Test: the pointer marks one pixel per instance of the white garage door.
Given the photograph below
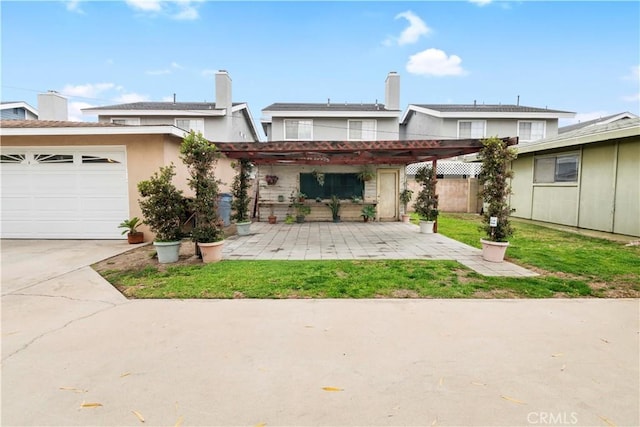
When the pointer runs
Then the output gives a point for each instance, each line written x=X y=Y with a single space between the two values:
x=63 y=192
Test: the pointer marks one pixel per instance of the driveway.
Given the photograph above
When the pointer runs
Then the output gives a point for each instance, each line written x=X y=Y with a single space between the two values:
x=68 y=338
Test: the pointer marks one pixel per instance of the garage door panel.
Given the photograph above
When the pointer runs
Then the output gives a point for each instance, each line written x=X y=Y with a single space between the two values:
x=64 y=200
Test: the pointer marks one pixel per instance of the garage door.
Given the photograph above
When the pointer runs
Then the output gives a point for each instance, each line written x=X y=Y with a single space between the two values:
x=63 y=192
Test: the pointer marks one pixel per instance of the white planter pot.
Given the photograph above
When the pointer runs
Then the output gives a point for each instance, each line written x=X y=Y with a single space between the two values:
x=211 y=252
x=493 y=251
x=426 y=227
x=243 y=228
x=167 y=251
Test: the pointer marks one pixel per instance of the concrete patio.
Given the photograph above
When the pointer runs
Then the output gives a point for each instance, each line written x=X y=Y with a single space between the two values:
x=359 y=240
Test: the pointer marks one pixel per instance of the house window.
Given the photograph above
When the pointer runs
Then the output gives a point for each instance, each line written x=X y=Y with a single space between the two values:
x=561 y=168
x=97 y=159
x=13 y=158
x=298 y=130
x=196 y=125
x=129 y=121
x=362 y=130
x=531 y=131
x=343 y=185
x=471 y=129
x=53 y=158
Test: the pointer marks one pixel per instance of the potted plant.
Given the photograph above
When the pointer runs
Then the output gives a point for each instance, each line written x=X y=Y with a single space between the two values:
x=426 y=204
x=201 y=156
x=162 y=207
x=356 y=200
x=334 y=206
x=366 y=173
x=241 y=199
x=298 y=203
x=271 y=179
x=272 y=217
x=405 y=198
x=368 y=212
x=494 y=177
x=130 y=229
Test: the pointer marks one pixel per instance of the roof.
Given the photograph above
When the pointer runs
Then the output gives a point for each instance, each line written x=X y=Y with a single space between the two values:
x=5 y=105
x=587 y=135
x=390 y=152
x=292 y=106
x=600 y=120
x=165 y=106
x=485 y=111
x=55 y=127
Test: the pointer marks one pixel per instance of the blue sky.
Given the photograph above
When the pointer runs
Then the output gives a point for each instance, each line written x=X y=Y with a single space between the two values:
x=575 y=56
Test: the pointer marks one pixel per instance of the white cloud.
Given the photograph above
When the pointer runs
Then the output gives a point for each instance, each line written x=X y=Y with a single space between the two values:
x=75 y=113
x=435 y=62
x=584 y=117
x=414 y=31
x=176 y=66
x=632 y=98
x=74 y=6
x=126 y=98
x=634 y=74
x=209 y=73
x=183 y=10
x=480 y=2
x=89 y=90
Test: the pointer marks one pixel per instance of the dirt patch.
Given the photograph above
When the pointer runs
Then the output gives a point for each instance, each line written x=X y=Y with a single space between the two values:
x=145 y=256
x=495 y=294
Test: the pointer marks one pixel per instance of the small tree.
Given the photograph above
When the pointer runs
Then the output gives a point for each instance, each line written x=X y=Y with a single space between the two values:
x=496 y=157
x=201 y=156
x=162 y=205
x=405 y=198
x=426 y=204
x=240 y=191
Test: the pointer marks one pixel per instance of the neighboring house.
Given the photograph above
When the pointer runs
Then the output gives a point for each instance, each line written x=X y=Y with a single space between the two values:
x=303 y=122
x=586 y=178
x=78 y=180
x=17 y=110
x=458 y=185
x=220 y=121
x=600 y=121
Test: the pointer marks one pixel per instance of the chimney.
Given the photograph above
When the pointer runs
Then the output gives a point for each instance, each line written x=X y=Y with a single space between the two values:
x=223 y=90
x=52 y=106
x=392 y=91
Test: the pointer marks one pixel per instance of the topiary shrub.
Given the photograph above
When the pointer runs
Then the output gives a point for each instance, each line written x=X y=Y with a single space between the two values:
x=162 y=205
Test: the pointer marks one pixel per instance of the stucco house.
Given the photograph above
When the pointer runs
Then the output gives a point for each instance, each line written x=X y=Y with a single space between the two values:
x=78 y=180
x=457 y=186
x=587 y=178
x=330 y=121
x=222 y=120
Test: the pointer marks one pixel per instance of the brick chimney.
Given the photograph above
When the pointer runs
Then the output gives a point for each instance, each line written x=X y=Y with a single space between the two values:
x=52 y=106
x=392 y=91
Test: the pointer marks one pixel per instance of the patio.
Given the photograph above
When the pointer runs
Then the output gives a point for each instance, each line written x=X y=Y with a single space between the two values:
x=359 y=240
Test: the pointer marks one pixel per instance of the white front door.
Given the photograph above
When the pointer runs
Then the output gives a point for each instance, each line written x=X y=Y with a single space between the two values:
x=63 y=192
x=387 y=195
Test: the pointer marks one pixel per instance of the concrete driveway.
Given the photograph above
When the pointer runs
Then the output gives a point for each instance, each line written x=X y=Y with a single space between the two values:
x=68 y=338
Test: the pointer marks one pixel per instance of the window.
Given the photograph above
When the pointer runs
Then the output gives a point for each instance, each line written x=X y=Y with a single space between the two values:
x=129 y=121
x=196 y=125
x=343 y=185
x=531 y=131
x=561 y=168
x=362 y=130
x=298 y=130
x=97 y=159
x=471 y=129
x=12 y=158
x=53 y=158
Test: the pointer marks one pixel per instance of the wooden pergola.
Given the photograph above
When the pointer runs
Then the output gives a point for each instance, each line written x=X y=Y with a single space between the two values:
x=391 y=152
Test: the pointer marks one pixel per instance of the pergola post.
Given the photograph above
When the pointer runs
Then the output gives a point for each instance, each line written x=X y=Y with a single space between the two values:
x=435 y=174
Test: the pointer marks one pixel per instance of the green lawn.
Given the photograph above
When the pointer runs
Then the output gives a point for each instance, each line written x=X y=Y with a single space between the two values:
x=572 y=266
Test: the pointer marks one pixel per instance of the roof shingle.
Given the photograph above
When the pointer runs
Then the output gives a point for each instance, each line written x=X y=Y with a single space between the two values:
x=161 y=106
x=294 y=106
x=488 y=108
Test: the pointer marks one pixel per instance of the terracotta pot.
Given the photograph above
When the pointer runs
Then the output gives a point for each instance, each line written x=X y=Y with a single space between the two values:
x=273 y=219
x=135 y=238
x=406 y=218
x=493 y=251
x=211 y=252
x=426 y=227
